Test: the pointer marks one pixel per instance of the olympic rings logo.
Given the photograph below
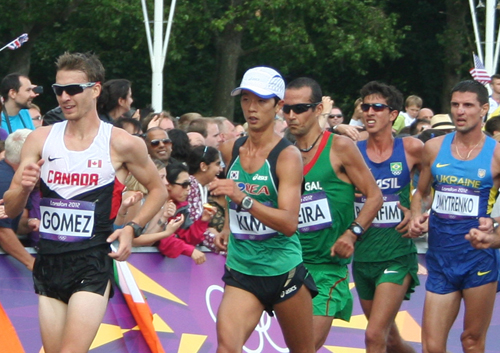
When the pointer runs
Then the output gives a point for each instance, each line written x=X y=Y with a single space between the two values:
x=262 y=328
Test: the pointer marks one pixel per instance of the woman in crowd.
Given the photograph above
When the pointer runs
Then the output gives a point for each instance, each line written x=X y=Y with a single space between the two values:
x=115 y=99
x=174 y=220
x=204 y=165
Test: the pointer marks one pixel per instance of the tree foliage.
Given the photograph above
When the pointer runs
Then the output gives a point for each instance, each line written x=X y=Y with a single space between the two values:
x=341 y=43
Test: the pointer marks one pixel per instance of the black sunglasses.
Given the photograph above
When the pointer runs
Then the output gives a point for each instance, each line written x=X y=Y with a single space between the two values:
x=299 y=108
x=378 y=107
x=184 y=185
x=72 y=89
x=331 y=116
x=156 y=143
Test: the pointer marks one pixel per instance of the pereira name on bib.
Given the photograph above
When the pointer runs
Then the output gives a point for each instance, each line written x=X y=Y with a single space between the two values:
x=314 y=212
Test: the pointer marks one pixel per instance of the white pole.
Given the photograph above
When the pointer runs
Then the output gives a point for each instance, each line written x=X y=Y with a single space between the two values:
x=490 y=35
x=148 y=31
x=157 y=85
x=497 y=51
x=476 y=29
x=169 y=27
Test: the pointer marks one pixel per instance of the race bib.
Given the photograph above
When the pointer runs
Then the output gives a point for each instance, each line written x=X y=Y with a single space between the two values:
x=66 y=220
x=389 y=215
x=314 y=212
x=244 y=226
x=456 y=202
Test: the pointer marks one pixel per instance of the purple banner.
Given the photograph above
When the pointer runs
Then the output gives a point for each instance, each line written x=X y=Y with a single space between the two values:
x=184 y=299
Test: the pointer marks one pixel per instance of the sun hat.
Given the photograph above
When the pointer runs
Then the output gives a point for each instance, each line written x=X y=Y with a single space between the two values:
x=442 y=122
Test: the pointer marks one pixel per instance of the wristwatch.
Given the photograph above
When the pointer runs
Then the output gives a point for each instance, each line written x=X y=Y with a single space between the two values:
x=137 y=228
x=357 y=230
x=246 y=204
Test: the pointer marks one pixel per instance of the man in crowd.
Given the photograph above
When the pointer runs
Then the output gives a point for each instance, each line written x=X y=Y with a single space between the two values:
x=385 y=261
x=158 y=144
x=17 y=93
x=335 y=117
x=333 y=169
x=10 y=227
x=81 y=164
x=463 y=168
x=208 y=128
x=226 y=128
x=264 y=269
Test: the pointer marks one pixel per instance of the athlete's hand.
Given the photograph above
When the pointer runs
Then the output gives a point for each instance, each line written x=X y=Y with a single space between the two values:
x=30 y=175
x=480 y=239
x=344 y=246
x=220 y=240
x=125 y=237
x=486 y=224
x=198 y=257
x=419 y=225
x=404 y=226
x=226 y=187
x=350 y=131
x=2 y=210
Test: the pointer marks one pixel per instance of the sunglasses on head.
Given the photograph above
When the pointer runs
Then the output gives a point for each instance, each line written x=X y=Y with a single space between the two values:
x=72 y=89
x=184 y=185
x=156 y=142
x=378 y=107
x=331 y=116
x=299 y=108
x=204 y=152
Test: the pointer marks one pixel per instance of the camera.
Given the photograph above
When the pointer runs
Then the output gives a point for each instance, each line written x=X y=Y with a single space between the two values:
x=38 y=89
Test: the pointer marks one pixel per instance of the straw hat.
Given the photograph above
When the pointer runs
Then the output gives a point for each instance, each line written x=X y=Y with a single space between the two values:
x=442 y=122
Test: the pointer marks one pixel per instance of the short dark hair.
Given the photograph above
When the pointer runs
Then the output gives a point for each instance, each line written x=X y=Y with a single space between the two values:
x=497 y=76
x=473 y=87
x=414 y=124
x=11 y=81
x=391 y=94
x=492 y=125
x=87 y=63
x=316 y=93
x=121 y=121
x=175 y=168
x=200 y=154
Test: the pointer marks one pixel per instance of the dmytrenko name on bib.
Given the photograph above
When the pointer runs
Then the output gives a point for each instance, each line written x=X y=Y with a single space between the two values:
x=314 y=212
x=455 y=202
x=244 y=226
x=66 y=220
x=389 y=215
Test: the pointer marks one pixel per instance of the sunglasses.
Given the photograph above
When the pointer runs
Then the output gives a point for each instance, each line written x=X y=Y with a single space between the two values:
x=378 y=107
x=156 y=143
x=204 y=152
x=37 y=118
x=299 y=108
x=331 y=116
x=184 y=185
x=72 y=89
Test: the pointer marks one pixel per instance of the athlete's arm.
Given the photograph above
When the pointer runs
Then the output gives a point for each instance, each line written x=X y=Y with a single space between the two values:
x=418 y=207
x=131 y=152
x=10 y=243
x=413 y=152
x=27 y=174
x=484 y=240
x=358 y=173
x=285 y=218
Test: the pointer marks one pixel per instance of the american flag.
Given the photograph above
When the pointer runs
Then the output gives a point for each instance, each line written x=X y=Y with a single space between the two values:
x=18 y=42
x=479 y=73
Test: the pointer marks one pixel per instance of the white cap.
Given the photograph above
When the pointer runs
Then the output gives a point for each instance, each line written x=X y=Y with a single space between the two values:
x=263 y=81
